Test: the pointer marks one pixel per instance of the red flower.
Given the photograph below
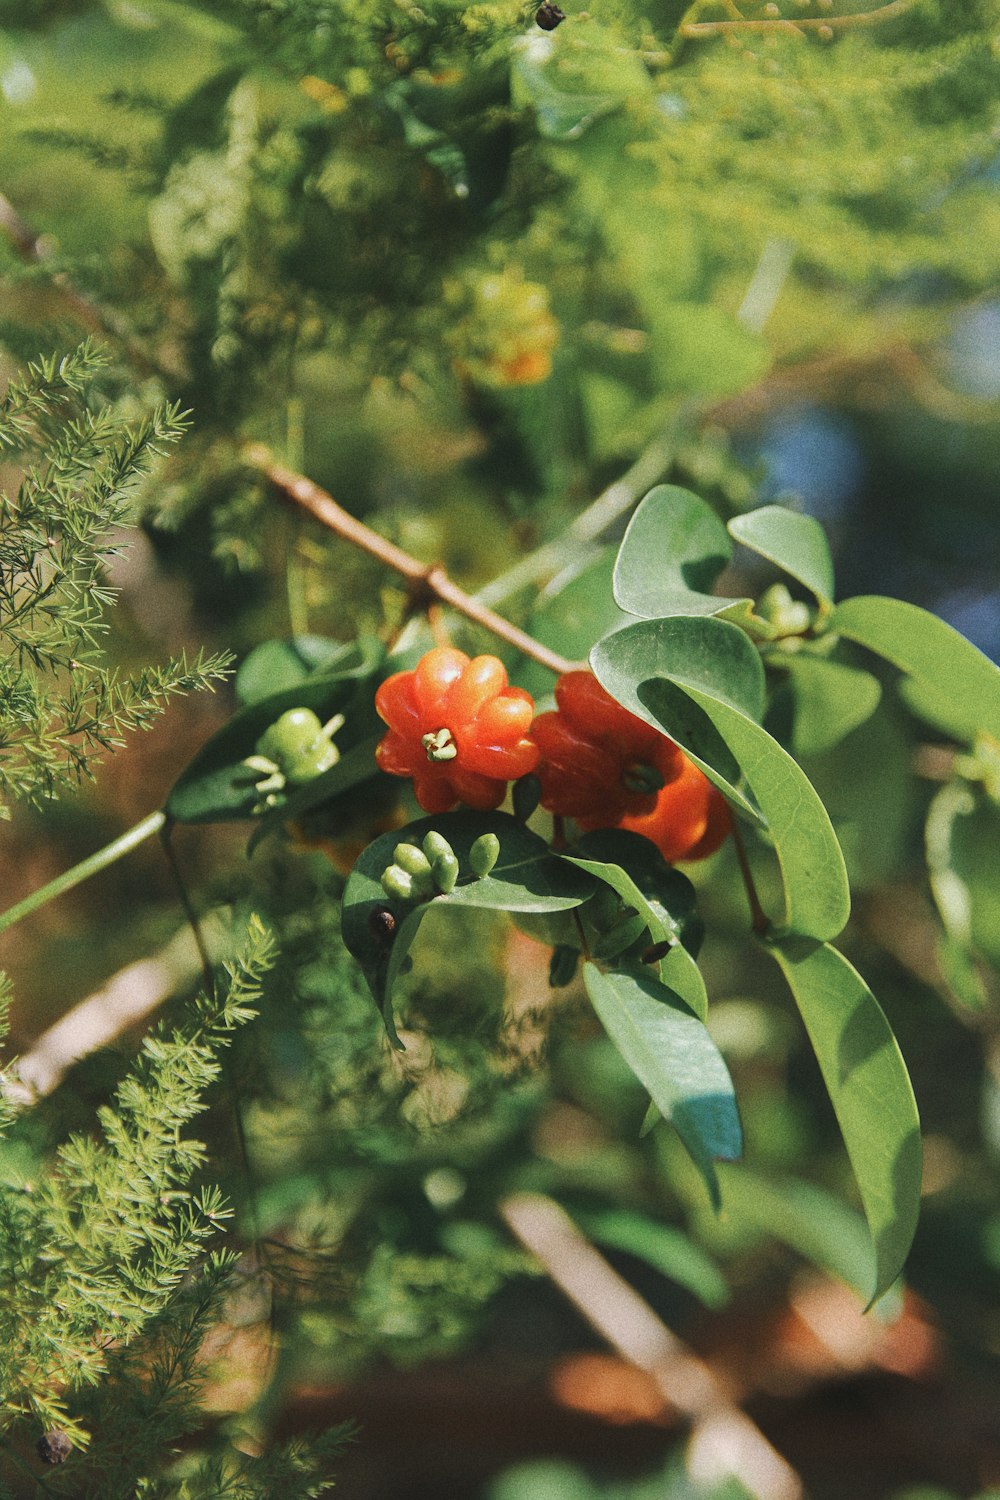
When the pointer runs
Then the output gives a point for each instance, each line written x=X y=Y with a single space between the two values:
x=605 y=768
x=457 y=728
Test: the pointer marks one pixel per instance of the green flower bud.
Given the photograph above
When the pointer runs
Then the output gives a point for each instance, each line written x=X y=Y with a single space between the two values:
x=411 y=859
x=562 y=966
x=445 y=872
x=484 y=854
x=397 y=883
x=436 y=845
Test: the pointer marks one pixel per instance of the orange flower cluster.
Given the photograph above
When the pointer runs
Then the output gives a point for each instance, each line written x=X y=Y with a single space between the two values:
x=462 y=733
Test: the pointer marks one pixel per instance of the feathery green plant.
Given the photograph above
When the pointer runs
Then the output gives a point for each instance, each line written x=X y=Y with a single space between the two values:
x=61 y=706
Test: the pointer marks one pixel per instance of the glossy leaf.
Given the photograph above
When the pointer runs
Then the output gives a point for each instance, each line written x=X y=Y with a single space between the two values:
x=699 y=652
x=870 y=1090
x=216 y=787
x=671 y=1053
x=661 y=1246
x=677 y=969
x=796 y=543
x=673 y=551
x=527 y=877
x=831 y=700
x=949 y=682
x=729 y=745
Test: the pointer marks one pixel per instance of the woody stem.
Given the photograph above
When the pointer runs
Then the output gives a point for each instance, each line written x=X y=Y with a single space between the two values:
x=433 y=582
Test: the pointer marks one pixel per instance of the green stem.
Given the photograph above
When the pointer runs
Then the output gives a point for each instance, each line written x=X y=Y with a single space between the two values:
x=92 y=865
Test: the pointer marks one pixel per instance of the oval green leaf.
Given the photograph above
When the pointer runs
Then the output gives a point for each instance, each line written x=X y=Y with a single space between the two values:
x=796 y=543
x=673 y=551
x=870 y=1089
x=951 y=684
x=674 y=1058
x=527 y=877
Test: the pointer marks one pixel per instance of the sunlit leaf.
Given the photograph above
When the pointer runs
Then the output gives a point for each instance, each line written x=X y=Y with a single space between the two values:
x=673 y=551
x=796 y=543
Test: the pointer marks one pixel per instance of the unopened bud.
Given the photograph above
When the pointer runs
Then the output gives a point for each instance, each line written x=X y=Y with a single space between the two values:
x=397 y=883
x=484 y=854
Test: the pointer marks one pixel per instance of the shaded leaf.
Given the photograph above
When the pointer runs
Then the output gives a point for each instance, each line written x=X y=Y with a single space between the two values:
x=870 y=1090
x=216 y=787
x=796 y=543
x=275 y=665
x=671 y=1053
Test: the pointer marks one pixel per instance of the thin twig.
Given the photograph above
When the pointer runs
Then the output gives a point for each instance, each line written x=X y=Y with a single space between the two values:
x=432 y=582
x=585 y=530
x=759 y=920
x=723 y=1438
x=797 y=23
x=183 y=896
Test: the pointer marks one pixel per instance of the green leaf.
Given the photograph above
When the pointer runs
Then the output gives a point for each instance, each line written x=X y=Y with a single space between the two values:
x=675 y=1059
x=727 y=744
x=870 y=1090
x=666 y=1249
x=216 y=787
x=830 y=700
x=950 y=683
x=673 y=551
x=796 y=543
x=275 y=665
x=694 y=652
x=699 y=349
x=805 y=1217
x=661 y=895
x=527 y=877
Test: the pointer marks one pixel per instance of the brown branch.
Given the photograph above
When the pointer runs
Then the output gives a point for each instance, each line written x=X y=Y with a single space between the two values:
x=430 y=583
x=798 y=23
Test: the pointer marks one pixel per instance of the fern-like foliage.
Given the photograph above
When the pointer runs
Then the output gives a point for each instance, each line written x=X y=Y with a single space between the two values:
x=60 y=705
x=101 y=1248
